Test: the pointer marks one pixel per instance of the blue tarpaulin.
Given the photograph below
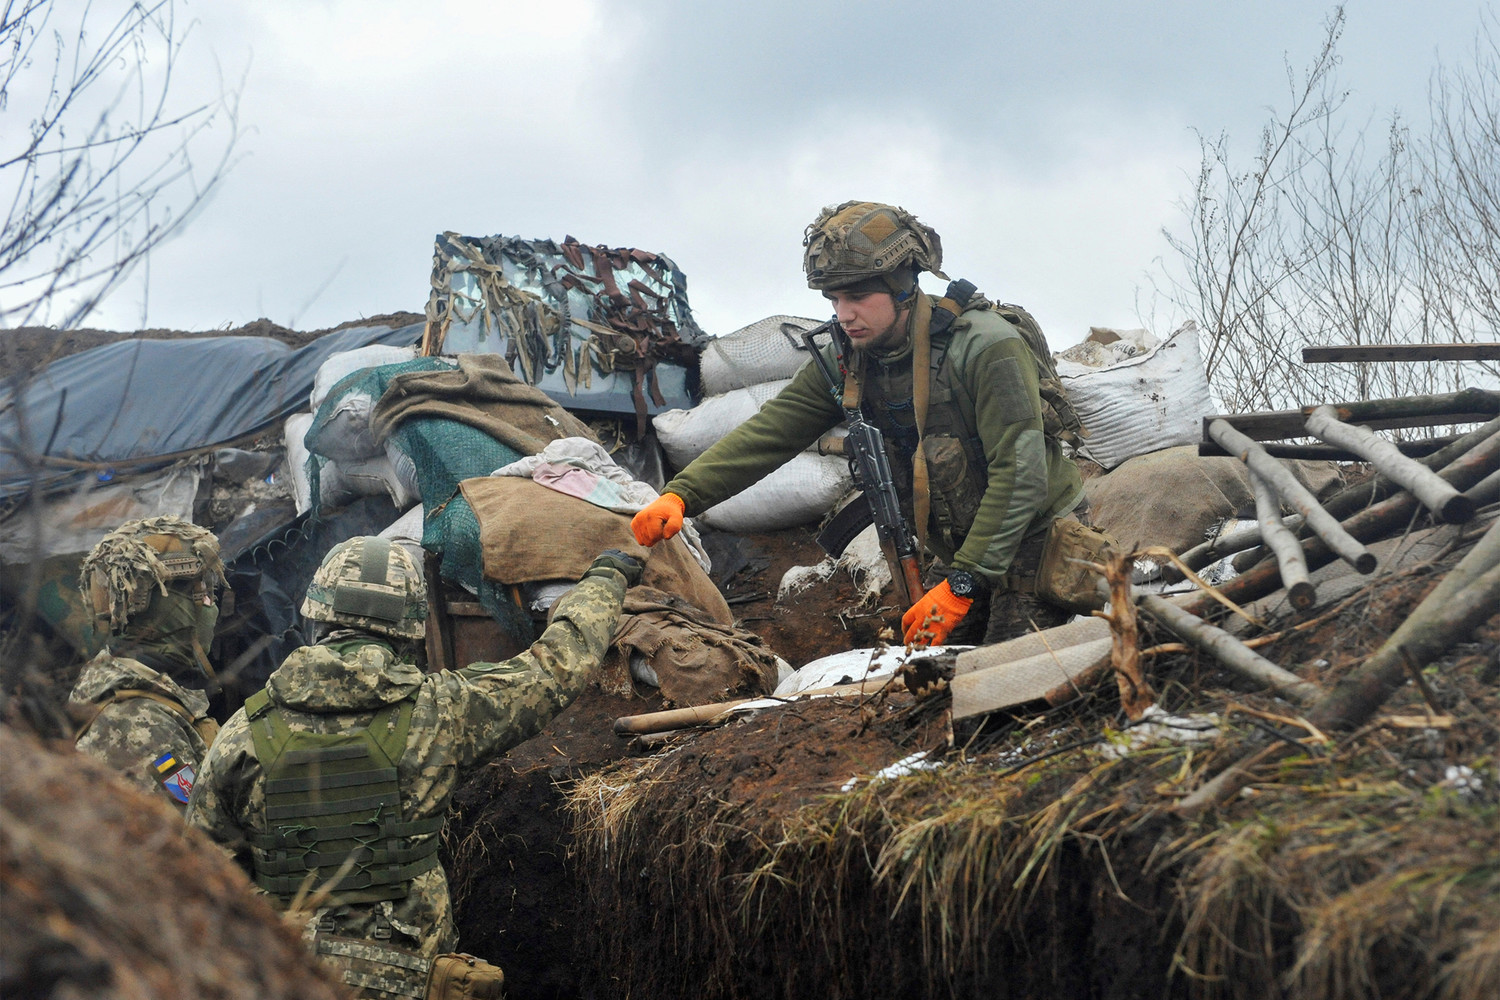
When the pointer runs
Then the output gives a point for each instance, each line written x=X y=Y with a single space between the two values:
x=134 y=400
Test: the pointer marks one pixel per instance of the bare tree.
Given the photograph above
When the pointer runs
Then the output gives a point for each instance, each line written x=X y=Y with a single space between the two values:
x=96 y=150
x=1340 y=234
x=97 y=168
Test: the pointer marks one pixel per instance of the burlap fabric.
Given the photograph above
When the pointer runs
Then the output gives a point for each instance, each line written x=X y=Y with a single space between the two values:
x=529 y=533
x=696 y=660
x=482 y=392
x=1173 y=497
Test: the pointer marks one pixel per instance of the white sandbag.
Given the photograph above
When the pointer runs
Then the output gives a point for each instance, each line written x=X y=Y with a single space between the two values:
x=346 y=434
x=406 y=531
x=341 y=482
x=686 y=434
x=765 y=351
x=801 y=491
x=295 y=429
x=1142 y=404
x=405 y=468
x=340 y=366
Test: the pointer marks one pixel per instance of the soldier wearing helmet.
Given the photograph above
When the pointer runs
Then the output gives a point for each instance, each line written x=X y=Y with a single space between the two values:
x=330 y=785
x=141 y=702
x=958 y=392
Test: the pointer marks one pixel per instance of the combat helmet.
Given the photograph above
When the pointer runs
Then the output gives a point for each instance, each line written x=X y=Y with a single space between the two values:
x=862 y=242
x=369 y=583
x=144 y=557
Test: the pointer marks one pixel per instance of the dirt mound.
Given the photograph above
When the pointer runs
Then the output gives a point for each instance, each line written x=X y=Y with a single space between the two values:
x=31 y=348
x=106 y=894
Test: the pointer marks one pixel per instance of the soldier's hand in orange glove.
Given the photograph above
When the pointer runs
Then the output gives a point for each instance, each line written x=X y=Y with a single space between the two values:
x=928 y=622
x=658 y=520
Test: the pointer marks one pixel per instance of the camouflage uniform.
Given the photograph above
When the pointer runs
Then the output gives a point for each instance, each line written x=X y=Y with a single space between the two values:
x=156 y=748
x=150 y=584
x=459 y=718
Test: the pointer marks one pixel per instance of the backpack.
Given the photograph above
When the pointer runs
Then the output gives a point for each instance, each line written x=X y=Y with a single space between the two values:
x=1059 y=419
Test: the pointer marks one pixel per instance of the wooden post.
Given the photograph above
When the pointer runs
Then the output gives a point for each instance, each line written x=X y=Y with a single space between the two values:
x=1437 y=496
x=1230 y=651
x=1280 y=540
x=1319 y=520
x=1372 y=523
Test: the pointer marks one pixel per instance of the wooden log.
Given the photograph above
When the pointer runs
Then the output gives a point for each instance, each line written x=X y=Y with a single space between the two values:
x=1230 y=651
x=1327 y=453
x=1486 y=491
x=1401 y=352
x=1341 y=505
x=1436 y=495
x=1463 y=407
x=694 y=715
x=1380 y=521
x=1314 y=516
x=1464 y=600
x=1281 y=541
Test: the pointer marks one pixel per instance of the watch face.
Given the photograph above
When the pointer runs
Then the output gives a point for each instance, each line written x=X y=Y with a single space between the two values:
x=961 y=583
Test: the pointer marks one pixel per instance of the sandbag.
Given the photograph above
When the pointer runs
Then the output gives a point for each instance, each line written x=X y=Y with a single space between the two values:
x=686 y=434
x=1142 y=404
x=799 y=492
x=345 y=363
x=294 y=434
x=1175 y=496
x=764 y=351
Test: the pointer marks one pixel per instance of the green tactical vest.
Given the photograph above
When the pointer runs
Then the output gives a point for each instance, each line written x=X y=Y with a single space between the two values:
x=333 y=810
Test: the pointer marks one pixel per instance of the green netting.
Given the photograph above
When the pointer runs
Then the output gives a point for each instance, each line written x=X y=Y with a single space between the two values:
x=445 y=453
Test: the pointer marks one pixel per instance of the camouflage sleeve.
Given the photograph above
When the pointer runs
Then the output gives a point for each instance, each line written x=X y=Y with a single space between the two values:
x=785 y=426
x=498 y=705
x=1000 y=375
x=220 y=800
x=149 y=745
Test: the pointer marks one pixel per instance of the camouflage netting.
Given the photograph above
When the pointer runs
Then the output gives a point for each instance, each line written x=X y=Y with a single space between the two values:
x=104 y=894
x=445 y=452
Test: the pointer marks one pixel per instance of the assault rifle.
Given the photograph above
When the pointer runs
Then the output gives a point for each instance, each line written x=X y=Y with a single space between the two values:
x=865 y=448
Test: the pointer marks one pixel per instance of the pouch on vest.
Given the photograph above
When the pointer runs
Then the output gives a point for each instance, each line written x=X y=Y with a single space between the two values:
x=458 y=976
x=371 y=965
x=333 y=810
x=1066 y=575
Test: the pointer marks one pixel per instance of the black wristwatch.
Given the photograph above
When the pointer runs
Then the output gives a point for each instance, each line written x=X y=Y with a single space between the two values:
x=964 y=584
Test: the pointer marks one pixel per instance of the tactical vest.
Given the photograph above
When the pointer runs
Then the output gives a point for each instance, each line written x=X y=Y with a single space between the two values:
x=957 y=468
x=333 y=810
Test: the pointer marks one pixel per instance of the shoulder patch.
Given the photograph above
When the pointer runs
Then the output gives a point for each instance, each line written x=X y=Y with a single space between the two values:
x=175 y=776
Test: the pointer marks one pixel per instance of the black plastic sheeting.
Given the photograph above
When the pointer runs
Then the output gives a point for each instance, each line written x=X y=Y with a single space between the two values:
x=138 y=399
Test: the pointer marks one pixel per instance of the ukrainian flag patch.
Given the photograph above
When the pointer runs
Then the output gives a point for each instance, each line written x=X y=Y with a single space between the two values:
x=175 y=776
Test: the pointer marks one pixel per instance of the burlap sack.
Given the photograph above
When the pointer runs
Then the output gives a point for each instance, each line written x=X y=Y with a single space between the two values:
x=529 y=533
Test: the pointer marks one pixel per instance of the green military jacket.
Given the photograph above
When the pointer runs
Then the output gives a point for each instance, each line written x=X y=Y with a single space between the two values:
x=460 y=717
x=1027 y=481
x=127 y=725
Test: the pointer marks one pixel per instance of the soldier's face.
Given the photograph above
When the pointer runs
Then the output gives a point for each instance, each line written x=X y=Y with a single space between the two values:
x=871 y=319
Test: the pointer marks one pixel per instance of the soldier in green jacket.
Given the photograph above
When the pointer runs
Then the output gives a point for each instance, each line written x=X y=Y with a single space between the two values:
x=140 y=703
x=997 y=477
x=330 y=785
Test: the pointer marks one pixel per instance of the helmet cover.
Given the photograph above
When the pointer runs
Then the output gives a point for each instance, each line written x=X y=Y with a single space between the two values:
x=369 y=583
x=141 y=557
x=859 y=240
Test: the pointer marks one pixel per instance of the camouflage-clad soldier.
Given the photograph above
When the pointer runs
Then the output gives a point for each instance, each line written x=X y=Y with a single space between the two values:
x=990 y=451
x=330 y=785
x=140 y=702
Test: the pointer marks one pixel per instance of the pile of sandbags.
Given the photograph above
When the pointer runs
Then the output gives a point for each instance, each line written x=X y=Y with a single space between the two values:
x=740 y=372
x=353 y=463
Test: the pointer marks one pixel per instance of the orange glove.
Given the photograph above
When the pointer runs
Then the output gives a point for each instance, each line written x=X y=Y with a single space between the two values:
x=659 y=520
x=928 y=622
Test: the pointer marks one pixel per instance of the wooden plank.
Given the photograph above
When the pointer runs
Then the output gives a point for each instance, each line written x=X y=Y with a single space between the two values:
x=1031 y=644
x=1029 y=679
x=1402 y=352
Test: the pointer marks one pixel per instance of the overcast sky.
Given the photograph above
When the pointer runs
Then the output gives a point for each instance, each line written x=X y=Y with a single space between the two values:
x=1047 y=143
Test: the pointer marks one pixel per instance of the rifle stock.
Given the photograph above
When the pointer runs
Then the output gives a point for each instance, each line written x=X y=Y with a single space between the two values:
x=871 y=467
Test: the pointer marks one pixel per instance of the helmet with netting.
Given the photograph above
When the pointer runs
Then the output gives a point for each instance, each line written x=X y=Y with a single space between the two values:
x=369 y=583
x=862 y=242
x=140 y=558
